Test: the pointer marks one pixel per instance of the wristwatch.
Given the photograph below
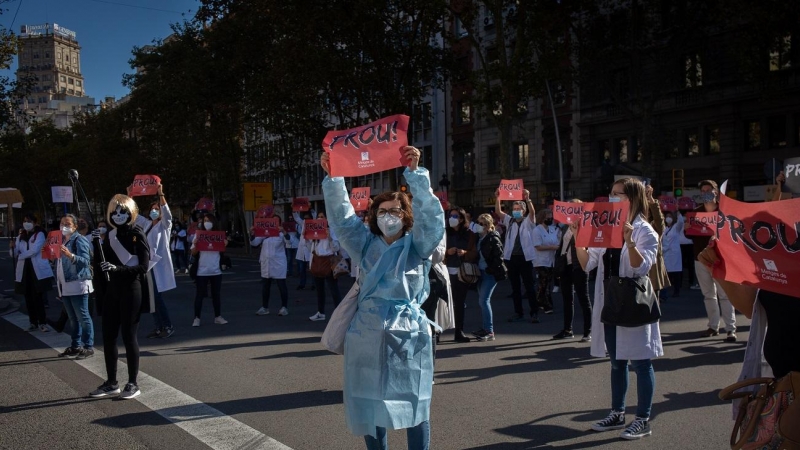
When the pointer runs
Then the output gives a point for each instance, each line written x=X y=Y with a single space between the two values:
x=631 y=244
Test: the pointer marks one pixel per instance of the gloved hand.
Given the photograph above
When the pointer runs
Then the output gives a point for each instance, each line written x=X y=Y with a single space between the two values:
x=96 y=234
x=108 y=267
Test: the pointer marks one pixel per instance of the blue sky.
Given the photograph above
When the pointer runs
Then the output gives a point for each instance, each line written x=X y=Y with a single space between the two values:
x=107 y=31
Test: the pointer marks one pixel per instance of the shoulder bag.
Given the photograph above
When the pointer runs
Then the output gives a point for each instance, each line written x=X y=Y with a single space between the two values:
x=769 y=418
x=468 y=272
x=561 y=266
x=339 y=322
x=630 y=302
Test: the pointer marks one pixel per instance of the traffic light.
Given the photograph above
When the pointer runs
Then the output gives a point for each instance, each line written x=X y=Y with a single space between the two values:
x=677 y=183
x=678 y=192
x=404 y=188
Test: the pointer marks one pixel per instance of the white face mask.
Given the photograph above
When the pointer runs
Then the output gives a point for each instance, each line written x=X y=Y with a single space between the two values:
x=390 y=225
x=668 y=220
x=28 y=226
x=66 y=231
x=208 y=226
x=479 y=229
x=102 y=230
x=453 y=222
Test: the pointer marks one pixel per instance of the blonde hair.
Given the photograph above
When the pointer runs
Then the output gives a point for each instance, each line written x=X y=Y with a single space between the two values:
x=489 y=220
x=125 y=202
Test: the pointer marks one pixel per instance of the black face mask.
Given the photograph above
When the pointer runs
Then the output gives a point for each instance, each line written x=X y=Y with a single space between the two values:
x=548 y=222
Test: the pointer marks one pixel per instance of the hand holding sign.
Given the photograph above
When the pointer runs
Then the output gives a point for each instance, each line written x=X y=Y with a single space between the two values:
x=52 y=247
x=267 y=227
x=372 y=148
x=603 y=225
x=144 y=185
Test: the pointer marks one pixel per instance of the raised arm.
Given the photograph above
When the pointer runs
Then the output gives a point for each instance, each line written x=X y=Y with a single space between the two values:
x=346 y=227
x=428 y=226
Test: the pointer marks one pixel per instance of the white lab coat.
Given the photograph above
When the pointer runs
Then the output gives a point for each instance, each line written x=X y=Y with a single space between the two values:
x=445 y=315
x=635 y=342
x=272 y=257
x=158 y=238
x=671 y=248
x=525 y=239
x=32 y=249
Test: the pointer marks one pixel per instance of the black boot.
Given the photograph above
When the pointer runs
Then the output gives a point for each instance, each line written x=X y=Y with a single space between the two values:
x=461 y=337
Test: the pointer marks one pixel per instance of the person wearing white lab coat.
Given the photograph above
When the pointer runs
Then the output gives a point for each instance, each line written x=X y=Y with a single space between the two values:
x=158 y=236
x=637 y=344
x=34 y=276
x=273 y=267
x=303 y=256
x=671 y=246
x=324 y=248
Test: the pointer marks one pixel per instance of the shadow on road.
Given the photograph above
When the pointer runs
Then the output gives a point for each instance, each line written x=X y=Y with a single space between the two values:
x=205 y=348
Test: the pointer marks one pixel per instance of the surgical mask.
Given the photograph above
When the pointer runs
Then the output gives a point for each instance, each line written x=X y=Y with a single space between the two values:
x=390 y=225
x=614 y=199
x=453 y=222
x=66 y=231
x=208 y=226
x=708 y=197
x=668 y=220
x=28 y=226
x=548 y=222
x=517 y=214
x=102 y=230
x=479 y=229
x=154 y=214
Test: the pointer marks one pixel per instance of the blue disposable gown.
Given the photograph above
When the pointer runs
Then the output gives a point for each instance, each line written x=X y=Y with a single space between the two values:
x=388 y=367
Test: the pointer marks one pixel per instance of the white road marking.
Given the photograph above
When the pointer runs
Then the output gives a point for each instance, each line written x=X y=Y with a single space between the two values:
x=207 y=424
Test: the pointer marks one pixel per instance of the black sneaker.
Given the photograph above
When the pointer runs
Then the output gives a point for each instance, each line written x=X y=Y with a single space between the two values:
x=548 y=310
x=70 y=352
x=614 y=421
x=167 y=332
x=154 y=334
x=639 y=428
x=535 y=318
x=564 y=335
x=131 y=390
x=85 y=353
x=105 y=390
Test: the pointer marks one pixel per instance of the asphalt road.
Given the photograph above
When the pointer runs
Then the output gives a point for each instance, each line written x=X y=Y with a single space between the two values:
x=269 y=375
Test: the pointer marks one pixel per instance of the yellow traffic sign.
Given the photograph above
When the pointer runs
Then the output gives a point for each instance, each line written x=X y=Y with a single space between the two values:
x=257 y=195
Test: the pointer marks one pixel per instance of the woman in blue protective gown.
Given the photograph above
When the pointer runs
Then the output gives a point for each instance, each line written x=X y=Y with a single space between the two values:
x=388 y=368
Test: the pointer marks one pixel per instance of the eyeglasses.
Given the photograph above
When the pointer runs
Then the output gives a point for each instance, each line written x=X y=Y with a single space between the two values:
x=396 y=212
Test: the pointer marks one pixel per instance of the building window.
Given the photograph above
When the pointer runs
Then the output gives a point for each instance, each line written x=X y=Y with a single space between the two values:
x=465 y=113
x=46 y=54
x=694 y=71
x=78 y=83
x=427 y=157
x=63 y=79
x=778 y=136
x=67 y=58
x=422 y=121
x=780 y=53
x=71 y=81
x=492 y=155
x=604 y=151
x=638 y=151
x=463 y=166
x=559 y=94
x=622 y=149
x=521 y=157
x=712 y=140
x=753 y=135
x=692 y=143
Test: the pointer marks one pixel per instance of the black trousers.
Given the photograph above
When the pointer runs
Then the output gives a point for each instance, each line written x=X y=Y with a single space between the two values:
x=333 y=285
x=459 y=290
x=266 y=285
x=544 y=295
x=520 y=272
x=201 y=283
x=577 y=280
x=687 y=259
x=121 y=312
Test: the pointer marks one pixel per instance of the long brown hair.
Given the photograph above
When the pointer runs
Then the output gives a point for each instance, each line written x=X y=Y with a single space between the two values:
x=405 y=205
x=635 y=191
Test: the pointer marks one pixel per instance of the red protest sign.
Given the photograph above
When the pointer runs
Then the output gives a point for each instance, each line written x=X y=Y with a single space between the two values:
x=265 y=211
x=701 y=223
x=52 y=248
x=145 y=185
x=359 y=198
x=315 y=229
x=686 y=203
x=758 y=243
x=564 y=212
x=301 y=204
x=204 y=204
x=511 y=189
x=442 y=196
x=210 y=241
x=267 y=227
x=290 y=226
x=367 y=149
x=601 y=224
x=668 y=203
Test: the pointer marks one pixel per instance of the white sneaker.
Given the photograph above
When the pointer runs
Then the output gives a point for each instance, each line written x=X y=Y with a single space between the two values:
x=317 y=317
x=186 y=271
x=219 y=320
x=283 y=312
x=262 y=311
x=196 y=322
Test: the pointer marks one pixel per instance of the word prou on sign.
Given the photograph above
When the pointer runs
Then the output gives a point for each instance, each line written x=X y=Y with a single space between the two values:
x=564 y=212
x=210 y=241
x=701 y=223
x=315 y=229
x=601 y=224
x=371 y=148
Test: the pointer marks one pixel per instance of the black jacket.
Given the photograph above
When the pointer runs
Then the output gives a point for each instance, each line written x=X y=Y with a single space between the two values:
x=491 y=249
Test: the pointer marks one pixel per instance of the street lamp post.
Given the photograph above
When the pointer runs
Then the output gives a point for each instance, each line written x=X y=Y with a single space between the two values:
x=558 y=144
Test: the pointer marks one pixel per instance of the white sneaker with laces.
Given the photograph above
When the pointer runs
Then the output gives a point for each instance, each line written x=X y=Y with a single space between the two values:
x=283 y=312
x=317 y=317
x=219 y=320
x=262 y=311
x=196 y=322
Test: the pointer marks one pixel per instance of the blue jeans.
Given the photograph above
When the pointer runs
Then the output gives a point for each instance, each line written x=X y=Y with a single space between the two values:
x=77 y=307
x=486 y=285
x=645 y=378
x=291 y=253
x=160 y=315
x=302 y=267
x=419 y=438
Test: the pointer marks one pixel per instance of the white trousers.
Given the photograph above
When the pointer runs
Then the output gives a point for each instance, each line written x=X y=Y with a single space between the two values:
x=715 y=299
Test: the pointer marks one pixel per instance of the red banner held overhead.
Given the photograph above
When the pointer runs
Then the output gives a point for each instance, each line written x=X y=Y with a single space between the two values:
x=301 y=204
x=371 y=148
x=668 y=203
x=511 y=189
x=52 y=248
x=701 y=223
x=567 y=212
x=265 y=211
x=267 y=227
x=145 y=185
x=601 y=225
x=210 y=241
x=442 y=196
x=359 y=198
x=758 y=244
x=315 y=229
